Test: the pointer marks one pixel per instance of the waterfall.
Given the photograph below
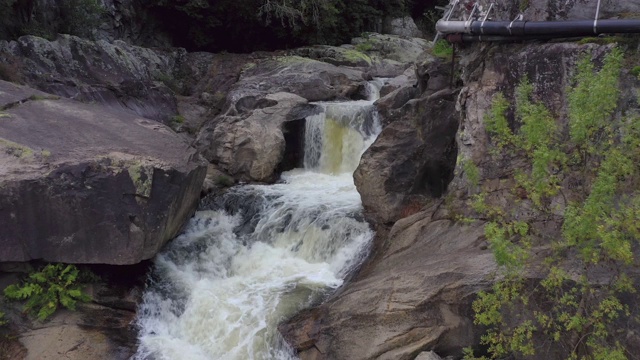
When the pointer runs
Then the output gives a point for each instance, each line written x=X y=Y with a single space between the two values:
x=260 y=253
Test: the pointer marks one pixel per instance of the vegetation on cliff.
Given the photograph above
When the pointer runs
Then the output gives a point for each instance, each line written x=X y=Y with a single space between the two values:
x=564 y=292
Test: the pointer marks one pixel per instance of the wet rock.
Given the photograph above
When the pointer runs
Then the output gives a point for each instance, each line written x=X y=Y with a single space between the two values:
x=395 y=93
x=80 y=183
x=417 y=296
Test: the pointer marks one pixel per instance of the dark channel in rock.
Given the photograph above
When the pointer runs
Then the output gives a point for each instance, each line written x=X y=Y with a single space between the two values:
x=294 y=135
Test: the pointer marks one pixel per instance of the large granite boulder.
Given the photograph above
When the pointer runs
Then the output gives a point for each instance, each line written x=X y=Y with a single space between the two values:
x=80 y=183
x=115 y=74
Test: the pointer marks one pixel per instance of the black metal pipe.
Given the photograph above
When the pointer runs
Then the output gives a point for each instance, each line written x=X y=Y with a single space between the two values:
x=560 y=29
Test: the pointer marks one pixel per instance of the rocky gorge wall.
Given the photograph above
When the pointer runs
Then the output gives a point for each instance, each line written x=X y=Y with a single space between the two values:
x=432 y=256
x=104 y=148
x=239 y=112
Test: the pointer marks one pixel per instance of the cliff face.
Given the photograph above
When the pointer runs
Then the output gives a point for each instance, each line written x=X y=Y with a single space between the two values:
x=432 y=255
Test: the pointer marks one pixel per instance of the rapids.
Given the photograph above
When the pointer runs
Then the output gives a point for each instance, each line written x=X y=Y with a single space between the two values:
x=258 y=254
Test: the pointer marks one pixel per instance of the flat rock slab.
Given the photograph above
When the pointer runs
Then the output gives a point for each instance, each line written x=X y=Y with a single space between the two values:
x=95 y=333
x=81 y=183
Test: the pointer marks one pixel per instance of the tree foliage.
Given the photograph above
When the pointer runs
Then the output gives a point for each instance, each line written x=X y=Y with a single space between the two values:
x=32 y=17
x=270 y=24
x=574 y=311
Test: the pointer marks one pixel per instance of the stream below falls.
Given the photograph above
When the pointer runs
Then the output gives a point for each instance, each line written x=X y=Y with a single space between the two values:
x=255 y=256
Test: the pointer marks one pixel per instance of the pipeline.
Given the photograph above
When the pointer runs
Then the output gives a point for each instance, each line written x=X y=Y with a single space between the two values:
x=482 y=30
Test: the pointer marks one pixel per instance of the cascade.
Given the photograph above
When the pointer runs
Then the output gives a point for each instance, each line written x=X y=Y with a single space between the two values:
x=258 y=254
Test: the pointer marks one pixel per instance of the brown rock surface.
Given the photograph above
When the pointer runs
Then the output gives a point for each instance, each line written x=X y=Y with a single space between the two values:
x=414 y=297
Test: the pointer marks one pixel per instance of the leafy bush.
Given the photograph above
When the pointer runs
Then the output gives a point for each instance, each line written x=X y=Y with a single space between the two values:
x=75 y=17
x=243 y=26
x=224 y=181
x=578 y=312
x=48 y=288
x=442 y=49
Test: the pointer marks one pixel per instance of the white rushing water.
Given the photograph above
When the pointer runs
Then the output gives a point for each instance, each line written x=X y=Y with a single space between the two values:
x=261 y=253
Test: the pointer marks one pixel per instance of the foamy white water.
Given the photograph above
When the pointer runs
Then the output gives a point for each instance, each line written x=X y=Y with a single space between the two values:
x=261 y=253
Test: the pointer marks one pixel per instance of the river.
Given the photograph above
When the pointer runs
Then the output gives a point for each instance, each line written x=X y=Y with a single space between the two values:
x=258 y=254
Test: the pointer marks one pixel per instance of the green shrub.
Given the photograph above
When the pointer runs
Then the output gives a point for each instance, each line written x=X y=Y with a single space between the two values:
x=471 y=171
x=442 y=49
x=46 y=289
x=496 y=123
x=224 y=181
x=579 y=317
x=365 y=46
x=75 y=17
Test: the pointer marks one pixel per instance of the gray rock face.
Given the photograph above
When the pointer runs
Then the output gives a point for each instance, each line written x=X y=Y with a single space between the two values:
x=414 y=297
x=83 y=184
x=580 y=9
x=550 y=10
x=311 y=79
x=391 y=47
x=115 y=74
